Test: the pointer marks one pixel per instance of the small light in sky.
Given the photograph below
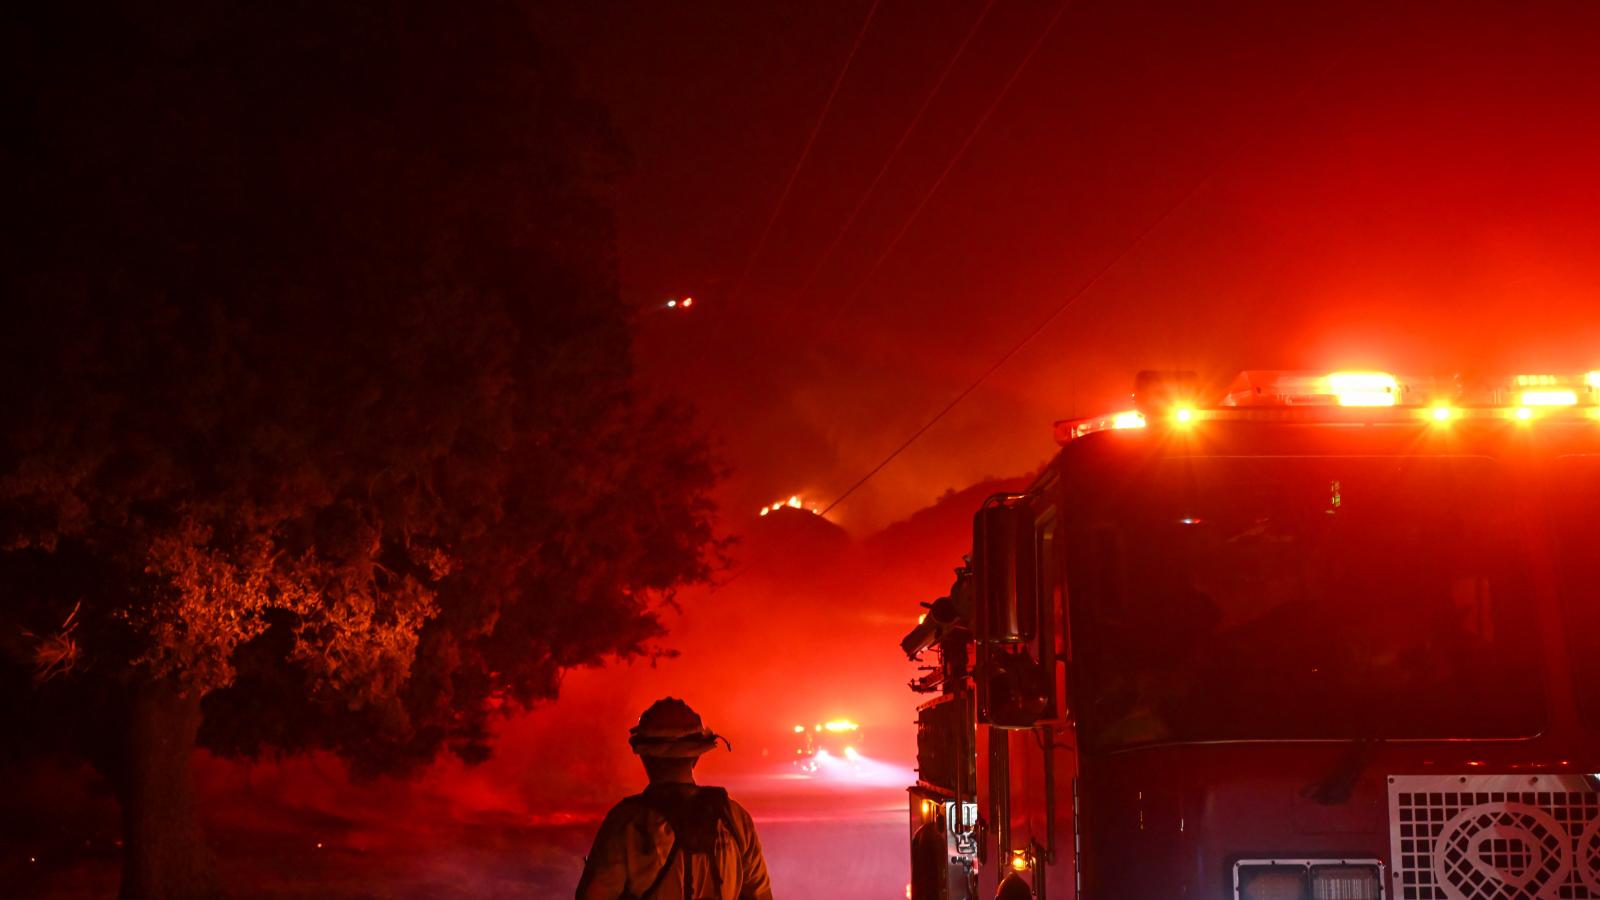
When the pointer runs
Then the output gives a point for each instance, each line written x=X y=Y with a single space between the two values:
x=687 y=302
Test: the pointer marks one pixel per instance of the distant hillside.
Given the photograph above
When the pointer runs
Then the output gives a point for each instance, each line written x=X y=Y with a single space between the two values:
x=939 y=533
x=789 y=539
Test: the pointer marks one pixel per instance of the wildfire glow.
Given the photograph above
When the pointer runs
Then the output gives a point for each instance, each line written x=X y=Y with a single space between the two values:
x=794 y=502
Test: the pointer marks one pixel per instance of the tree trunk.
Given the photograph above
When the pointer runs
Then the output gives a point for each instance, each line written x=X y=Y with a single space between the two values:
x=164 y=856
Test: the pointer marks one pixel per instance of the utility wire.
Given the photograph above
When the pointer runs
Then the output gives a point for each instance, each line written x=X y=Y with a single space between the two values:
x=961 y=151
x=805 y=153
x=1007 y=356
x=1138 y=241
x=1088 y=285
x=1027 y=339
x=894 y=154
x=938 y=182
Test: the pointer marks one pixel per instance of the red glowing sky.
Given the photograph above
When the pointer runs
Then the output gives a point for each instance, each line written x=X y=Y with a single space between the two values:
x=1272 y=185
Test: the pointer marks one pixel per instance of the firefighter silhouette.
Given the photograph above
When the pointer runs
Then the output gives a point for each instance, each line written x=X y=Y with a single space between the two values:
x=676 y=840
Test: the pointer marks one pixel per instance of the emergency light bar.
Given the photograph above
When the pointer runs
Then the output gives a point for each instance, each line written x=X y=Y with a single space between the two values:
x=1170 y=399
x=1302 y=389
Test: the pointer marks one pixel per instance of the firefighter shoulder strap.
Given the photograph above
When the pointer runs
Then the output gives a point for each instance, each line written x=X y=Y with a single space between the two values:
x=694 y=818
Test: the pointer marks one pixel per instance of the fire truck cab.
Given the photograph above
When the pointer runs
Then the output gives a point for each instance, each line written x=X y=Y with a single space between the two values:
x=1322 y=637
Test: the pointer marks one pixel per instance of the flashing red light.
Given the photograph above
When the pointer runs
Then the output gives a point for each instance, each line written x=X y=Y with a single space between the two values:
x=687 y=302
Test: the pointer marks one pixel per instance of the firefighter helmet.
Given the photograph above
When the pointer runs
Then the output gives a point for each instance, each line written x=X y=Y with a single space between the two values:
x=1013 y=888
x=670 y=728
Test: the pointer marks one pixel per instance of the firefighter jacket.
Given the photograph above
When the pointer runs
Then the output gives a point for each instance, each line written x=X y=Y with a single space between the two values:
x=676 y=842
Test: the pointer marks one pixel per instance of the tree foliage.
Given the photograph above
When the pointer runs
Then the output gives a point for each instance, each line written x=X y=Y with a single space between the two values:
x=315 y=384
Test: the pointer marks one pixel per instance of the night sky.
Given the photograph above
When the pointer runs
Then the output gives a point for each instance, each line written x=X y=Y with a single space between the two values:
x=1213 y=186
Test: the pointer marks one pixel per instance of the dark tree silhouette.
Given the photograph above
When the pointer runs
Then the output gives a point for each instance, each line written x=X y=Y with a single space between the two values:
x=319 y=426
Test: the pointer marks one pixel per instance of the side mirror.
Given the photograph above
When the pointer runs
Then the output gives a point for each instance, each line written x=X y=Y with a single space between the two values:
x=1014 y=687
x=1006 y=571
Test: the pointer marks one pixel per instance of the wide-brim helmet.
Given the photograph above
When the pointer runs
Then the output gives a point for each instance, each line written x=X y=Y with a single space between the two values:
x=670 y=729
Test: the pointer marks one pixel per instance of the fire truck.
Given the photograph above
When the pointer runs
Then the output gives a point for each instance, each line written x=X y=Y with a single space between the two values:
x=1302 y=637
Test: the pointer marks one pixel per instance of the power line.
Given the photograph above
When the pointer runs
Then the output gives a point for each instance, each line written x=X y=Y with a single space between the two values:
x=1088 y=285
x=1027 y=339
x=805 y=152
x=894 y=154
x=1006 y=356
x=938 y=182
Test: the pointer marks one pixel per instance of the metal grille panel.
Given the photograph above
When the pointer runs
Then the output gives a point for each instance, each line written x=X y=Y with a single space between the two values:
x=1494 y=837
